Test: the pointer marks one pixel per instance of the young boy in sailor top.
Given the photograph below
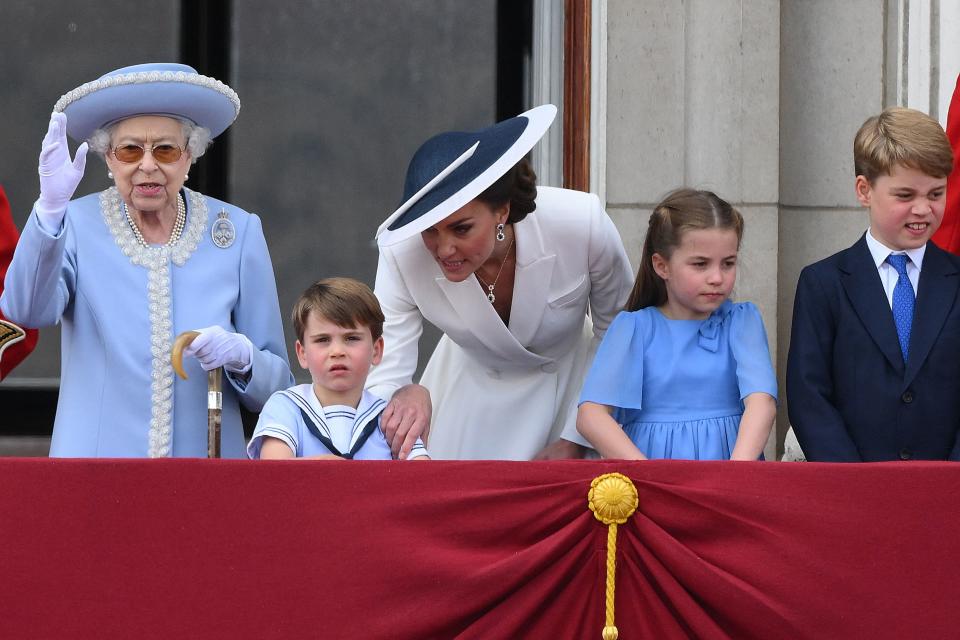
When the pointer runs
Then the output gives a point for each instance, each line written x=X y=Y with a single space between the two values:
x=339 y=327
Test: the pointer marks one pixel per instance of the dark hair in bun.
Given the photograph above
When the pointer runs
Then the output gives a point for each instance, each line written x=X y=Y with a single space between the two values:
x=518 y=186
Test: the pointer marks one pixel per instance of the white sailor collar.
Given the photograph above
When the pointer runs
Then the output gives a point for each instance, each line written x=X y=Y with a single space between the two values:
x=304 y=397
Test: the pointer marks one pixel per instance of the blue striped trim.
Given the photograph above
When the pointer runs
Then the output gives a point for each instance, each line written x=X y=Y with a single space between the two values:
x=418 y=450
x=361 y=420
x=304 y=406
x=283 y=436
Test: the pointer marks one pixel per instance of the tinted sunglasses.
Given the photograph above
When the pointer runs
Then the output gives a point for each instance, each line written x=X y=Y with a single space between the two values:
x=165 y=153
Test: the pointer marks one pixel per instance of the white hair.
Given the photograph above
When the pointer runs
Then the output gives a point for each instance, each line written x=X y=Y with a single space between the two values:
x=198 y=138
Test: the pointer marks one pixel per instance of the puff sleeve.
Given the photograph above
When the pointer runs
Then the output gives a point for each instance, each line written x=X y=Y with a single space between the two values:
x=748 y=343
x=615 y=378
x=279 y=419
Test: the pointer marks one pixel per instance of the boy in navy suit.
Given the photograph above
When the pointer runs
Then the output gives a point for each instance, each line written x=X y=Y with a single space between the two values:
x=873 y=371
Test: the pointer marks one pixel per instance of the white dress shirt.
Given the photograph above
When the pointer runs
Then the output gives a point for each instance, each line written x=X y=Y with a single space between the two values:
x=889 y=275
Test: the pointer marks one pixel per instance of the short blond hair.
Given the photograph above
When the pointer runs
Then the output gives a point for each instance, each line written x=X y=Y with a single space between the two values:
x=345 y=302
x=901 y=136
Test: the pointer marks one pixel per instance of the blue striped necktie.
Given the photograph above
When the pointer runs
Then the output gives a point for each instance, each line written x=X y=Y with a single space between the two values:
x=903 y=299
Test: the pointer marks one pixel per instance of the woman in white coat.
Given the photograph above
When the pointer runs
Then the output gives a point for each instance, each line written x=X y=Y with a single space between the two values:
x=523 y=281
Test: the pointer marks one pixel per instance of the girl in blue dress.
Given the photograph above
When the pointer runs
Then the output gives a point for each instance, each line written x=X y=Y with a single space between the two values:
x=683 y=372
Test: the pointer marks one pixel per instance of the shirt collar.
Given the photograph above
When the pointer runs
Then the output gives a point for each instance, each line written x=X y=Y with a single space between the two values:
x=369 y=405
x=880 y=251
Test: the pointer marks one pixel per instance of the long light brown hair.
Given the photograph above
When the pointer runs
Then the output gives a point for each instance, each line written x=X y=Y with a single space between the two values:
x=680 y=211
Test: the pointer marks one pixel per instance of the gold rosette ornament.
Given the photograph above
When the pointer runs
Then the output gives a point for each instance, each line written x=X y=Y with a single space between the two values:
x=612 y=499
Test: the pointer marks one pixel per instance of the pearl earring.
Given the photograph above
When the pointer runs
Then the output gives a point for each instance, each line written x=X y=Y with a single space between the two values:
x=186 y=177
x=500 y=235
x=110 y=174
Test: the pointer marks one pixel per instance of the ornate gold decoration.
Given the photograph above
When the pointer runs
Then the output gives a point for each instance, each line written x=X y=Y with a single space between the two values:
x=612 y=499
x=10 y=334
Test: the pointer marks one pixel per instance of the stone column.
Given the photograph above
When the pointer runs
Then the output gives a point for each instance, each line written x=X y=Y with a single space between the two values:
x=832 y=79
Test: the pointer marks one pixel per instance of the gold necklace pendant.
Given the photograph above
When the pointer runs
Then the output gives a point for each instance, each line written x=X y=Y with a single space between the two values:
x=490 y=287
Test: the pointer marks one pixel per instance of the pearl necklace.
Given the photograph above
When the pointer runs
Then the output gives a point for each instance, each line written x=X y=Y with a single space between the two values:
x=492 y=298
x=178 y=224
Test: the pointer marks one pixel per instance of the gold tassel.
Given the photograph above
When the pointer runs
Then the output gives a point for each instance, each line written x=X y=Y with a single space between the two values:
x=612 y=499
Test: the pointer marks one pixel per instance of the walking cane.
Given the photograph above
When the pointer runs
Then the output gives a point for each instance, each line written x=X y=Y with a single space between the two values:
x=214 y=396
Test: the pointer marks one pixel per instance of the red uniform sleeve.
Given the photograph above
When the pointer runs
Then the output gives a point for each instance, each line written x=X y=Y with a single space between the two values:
x=947 y=236
x=16 y=343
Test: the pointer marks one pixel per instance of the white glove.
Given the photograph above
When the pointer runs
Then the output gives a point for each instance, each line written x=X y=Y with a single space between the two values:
x=217 y=347
x=59 y=176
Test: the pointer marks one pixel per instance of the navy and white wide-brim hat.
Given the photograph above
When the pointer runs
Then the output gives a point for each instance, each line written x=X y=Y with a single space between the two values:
x=451 y=169
x=157 y=88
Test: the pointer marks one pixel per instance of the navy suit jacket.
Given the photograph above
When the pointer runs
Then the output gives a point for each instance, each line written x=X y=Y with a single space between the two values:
x=850 y=397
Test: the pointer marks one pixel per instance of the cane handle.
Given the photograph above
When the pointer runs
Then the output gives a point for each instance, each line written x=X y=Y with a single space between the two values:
x=176 y=354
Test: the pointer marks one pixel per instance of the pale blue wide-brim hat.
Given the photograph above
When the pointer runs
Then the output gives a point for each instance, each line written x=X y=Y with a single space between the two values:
x=156 y=88
x=451 y=169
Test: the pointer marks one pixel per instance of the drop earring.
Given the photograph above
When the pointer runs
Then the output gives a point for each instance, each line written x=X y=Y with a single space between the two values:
x=501 y=236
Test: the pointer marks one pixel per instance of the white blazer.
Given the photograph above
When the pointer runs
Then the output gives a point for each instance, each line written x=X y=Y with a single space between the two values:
x=506 y=391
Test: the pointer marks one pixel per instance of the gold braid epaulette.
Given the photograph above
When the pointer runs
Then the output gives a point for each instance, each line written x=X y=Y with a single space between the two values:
x=10 y=334
x=612 y=499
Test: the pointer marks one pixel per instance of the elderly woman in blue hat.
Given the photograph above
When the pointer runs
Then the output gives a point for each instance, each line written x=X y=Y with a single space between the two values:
x=125 y=270
x=523 y=281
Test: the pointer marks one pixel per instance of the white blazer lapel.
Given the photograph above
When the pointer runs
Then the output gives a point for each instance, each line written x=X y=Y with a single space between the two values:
x=478 y=315
x=475 y=311
x=532 y=280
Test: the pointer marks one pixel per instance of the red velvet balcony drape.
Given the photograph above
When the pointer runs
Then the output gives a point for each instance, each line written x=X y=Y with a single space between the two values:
x=215 y=549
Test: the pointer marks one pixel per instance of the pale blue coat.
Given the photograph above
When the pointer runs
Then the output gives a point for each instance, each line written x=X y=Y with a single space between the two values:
x=121 y=305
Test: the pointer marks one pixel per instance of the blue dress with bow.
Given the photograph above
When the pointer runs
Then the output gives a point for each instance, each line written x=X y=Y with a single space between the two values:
x=677 y=386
